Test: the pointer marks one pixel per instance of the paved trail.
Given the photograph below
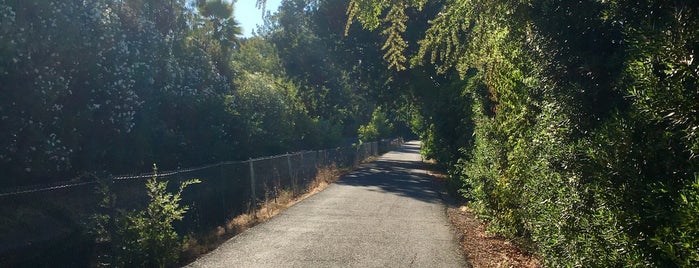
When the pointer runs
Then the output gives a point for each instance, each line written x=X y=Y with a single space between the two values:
x=385 y=214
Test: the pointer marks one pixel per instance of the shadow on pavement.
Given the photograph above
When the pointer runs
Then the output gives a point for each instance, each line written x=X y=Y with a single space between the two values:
x=401 y=177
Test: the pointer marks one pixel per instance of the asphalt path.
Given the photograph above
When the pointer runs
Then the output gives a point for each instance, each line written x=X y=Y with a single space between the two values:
x=387 y=213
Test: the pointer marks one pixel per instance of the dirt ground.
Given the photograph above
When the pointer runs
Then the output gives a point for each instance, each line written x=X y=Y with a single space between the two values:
x=480 y=248
x=483 y=249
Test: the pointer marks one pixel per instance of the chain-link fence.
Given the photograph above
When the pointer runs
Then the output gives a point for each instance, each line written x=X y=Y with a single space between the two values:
x=46 y=220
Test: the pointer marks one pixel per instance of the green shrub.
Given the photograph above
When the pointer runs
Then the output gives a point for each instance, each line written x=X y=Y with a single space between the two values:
x=144 y=238
x=679 y=238
x=379 y=127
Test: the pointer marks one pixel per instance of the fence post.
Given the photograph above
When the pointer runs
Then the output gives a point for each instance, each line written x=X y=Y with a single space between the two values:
x=325 y=158
x=252 y=183
x=224 y=186
x=303 y=170
x=291 y=176
x=367 y=150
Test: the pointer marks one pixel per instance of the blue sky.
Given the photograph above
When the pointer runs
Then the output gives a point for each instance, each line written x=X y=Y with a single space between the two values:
x=248 y=16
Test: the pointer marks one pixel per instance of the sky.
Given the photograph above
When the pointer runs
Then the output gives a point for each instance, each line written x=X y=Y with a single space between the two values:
x=248 y=16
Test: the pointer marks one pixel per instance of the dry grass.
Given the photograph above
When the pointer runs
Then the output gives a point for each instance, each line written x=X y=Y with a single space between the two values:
x=284 y=198
x=369 y=159
x=325 y=177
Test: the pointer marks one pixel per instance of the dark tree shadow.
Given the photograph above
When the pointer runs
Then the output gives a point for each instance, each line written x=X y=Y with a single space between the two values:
x=404 y=178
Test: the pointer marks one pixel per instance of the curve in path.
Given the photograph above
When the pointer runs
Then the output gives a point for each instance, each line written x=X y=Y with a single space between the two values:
x=388 y=213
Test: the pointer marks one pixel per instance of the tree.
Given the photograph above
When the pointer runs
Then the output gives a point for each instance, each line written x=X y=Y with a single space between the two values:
x=378 y=128
x=582 y=137
x=222 y=29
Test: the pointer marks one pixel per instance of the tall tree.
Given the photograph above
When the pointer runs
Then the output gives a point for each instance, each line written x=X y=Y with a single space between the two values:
x=564 y=153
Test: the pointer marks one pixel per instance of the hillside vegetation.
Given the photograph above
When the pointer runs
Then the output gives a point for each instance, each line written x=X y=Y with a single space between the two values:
x=111 y=87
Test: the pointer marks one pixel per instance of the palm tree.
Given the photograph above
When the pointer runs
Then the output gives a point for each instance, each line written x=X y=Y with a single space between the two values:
x=224 y=29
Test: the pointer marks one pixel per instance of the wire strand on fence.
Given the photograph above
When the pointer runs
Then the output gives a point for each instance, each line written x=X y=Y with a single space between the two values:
x=61 y=185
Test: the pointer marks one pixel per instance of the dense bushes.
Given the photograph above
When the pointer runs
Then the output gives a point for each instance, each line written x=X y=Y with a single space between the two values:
x=106 y=85
x=91 y=83
x=583 y=116
x=378 y=128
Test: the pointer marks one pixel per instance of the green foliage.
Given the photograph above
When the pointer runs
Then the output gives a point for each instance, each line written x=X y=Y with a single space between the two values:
x=372 y=15
x=378 y=128
x=265 y=111
x=582 y=116
x=322 y=133
x=661 y=71
x=336 y=76
x=144 y=238
x=106 y=85
x=116 y=85
x=216 y=9
x=257 y=55
x=270 y=107
x=680 y=238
